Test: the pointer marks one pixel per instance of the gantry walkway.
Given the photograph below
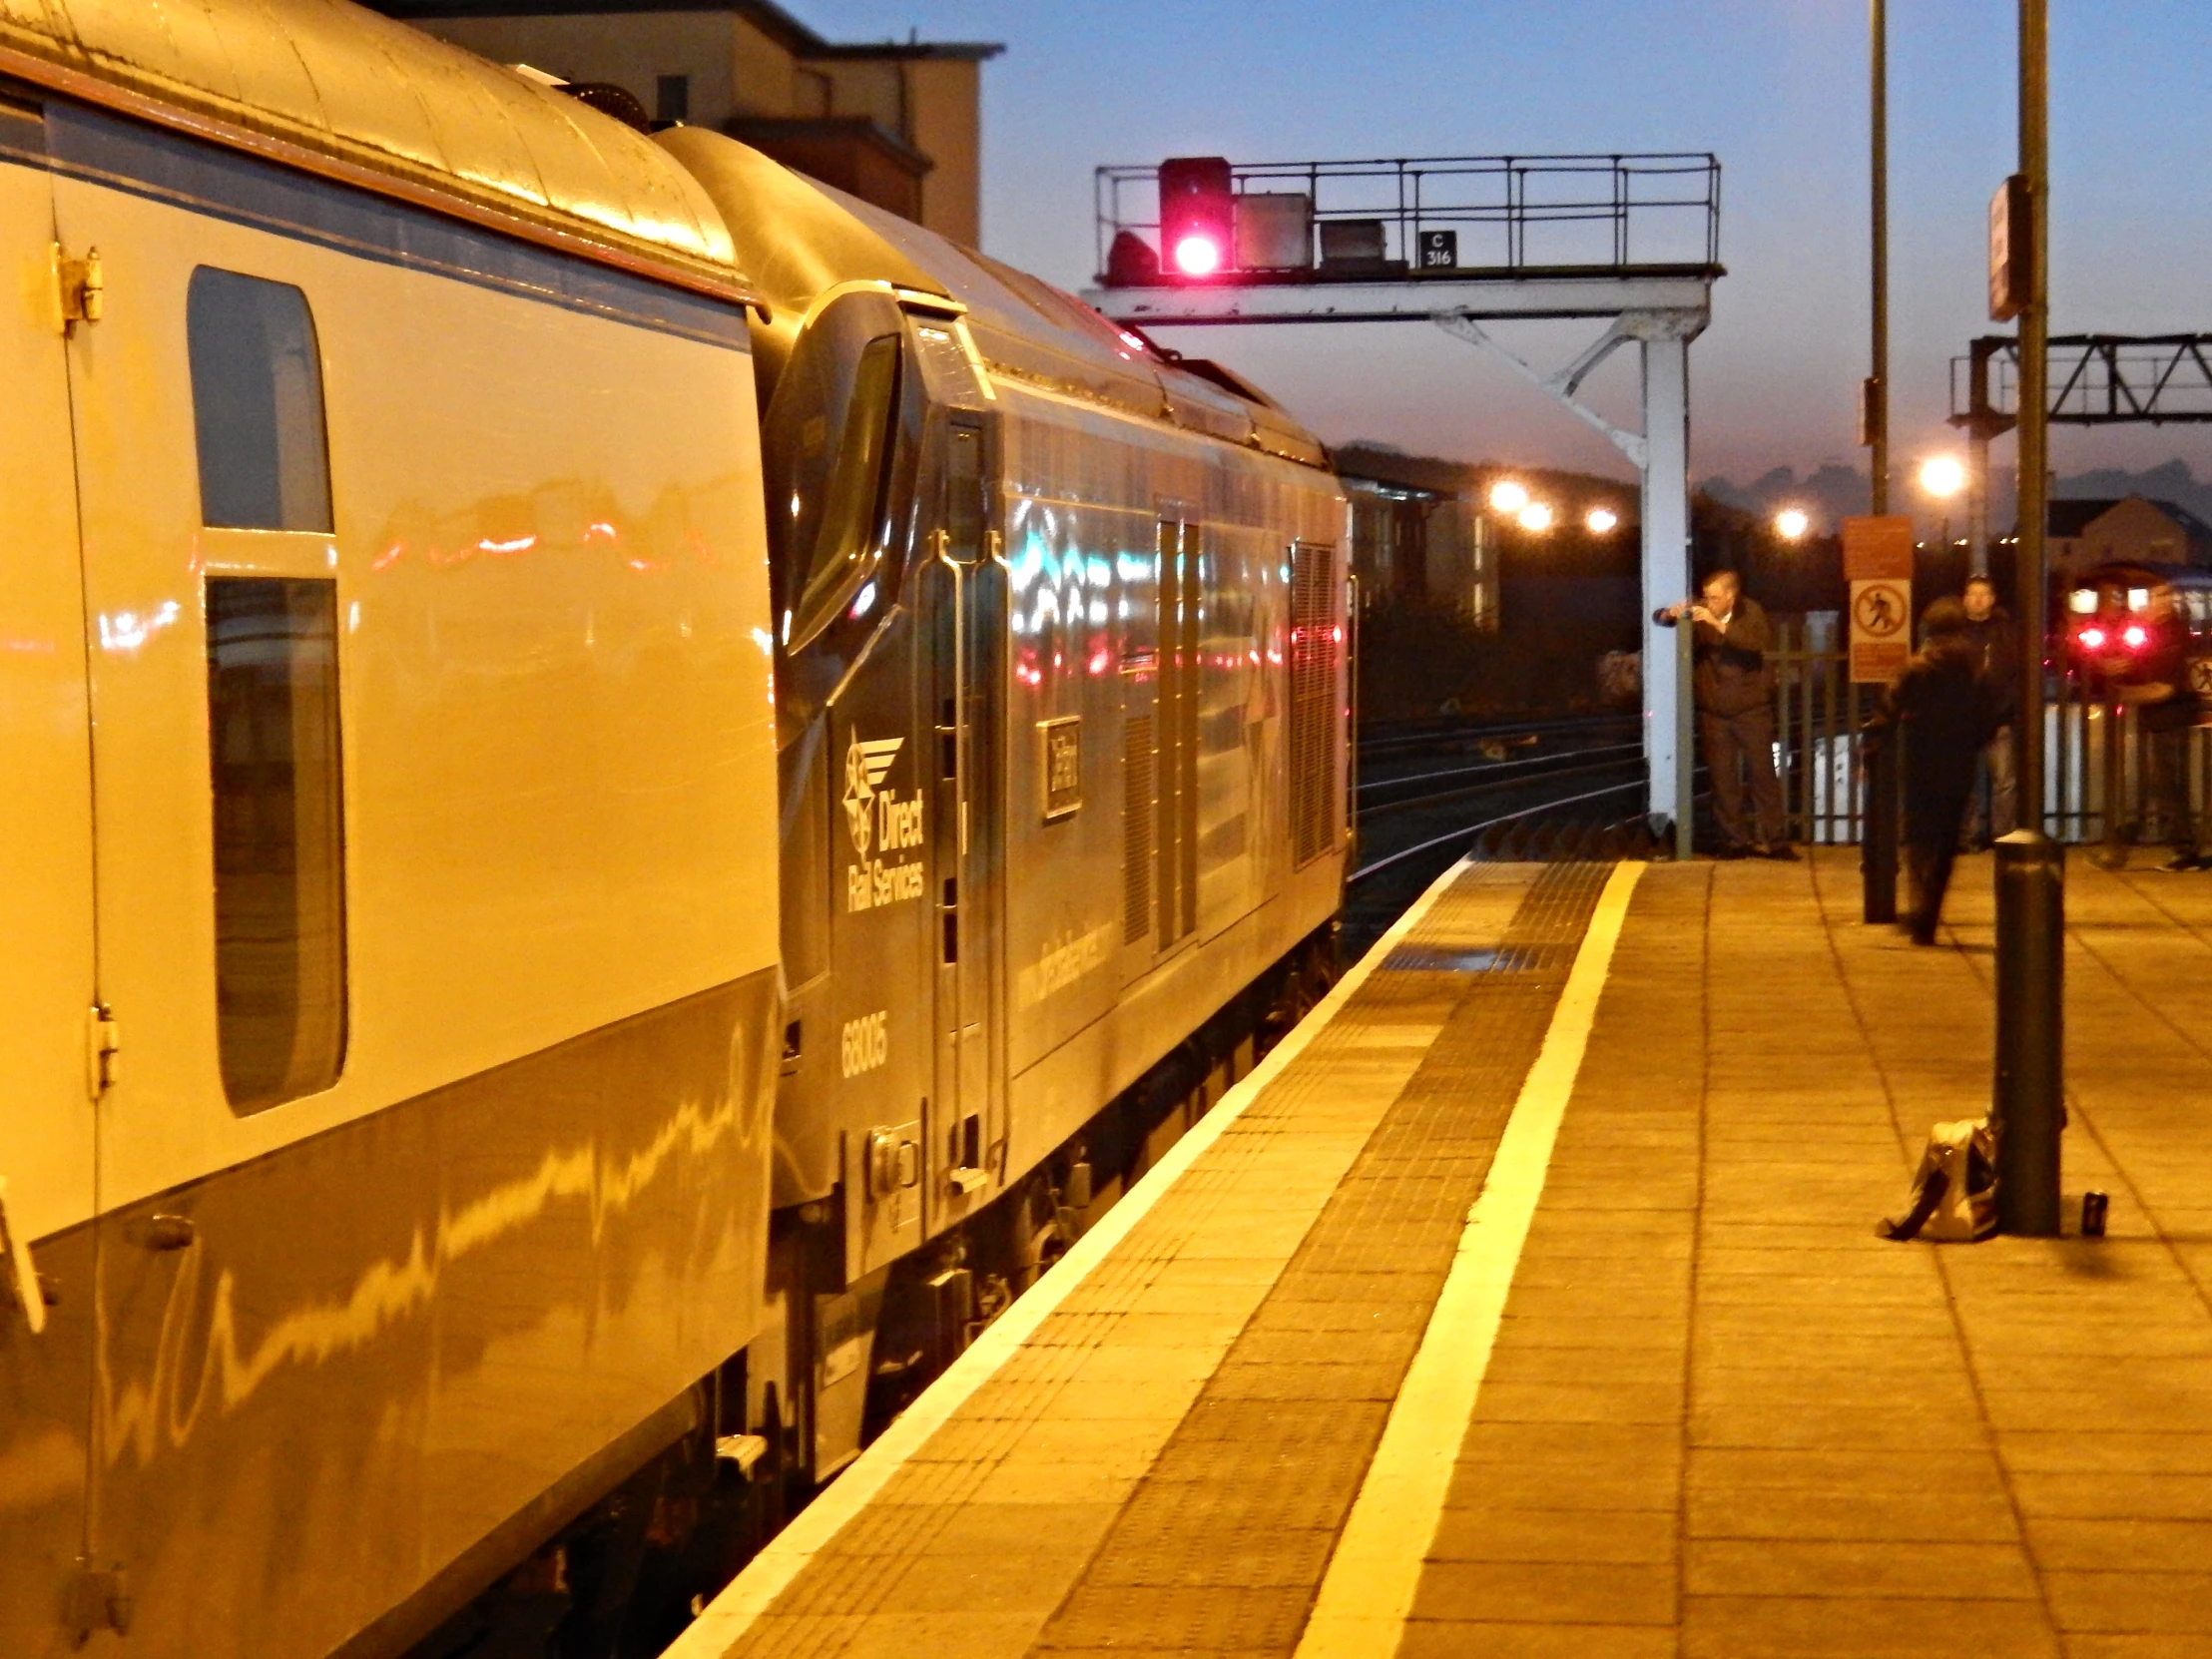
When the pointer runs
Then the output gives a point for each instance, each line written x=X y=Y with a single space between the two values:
x=1665 y=1392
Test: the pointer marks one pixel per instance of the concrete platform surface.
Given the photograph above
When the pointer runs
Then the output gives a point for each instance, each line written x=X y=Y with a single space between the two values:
x=1529 y=1304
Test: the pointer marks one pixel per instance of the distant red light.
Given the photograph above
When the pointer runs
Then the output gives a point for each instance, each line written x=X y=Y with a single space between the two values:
x=2136 y=637
x=1198 y=256
x=2092 y=638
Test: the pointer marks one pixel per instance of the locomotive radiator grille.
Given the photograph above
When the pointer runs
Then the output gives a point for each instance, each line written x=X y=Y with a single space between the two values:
x=1313 y=649
x=1136 y=829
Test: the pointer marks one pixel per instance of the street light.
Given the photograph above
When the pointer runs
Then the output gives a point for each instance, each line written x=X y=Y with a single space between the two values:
x=1509 y=496
x=1535 y=516
x=1941 y=477
x=1602 y=520
x=1790 y=523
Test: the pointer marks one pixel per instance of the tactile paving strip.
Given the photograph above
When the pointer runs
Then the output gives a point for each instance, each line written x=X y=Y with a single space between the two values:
x=1223 y=1545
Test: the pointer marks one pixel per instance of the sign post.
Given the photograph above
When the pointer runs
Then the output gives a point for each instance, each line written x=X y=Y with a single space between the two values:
x=1877 y=564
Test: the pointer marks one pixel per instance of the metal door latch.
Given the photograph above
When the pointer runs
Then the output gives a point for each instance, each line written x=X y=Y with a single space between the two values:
x=83 y=288
x=103 y=1045
x=100 y=1599
x=18 y=1277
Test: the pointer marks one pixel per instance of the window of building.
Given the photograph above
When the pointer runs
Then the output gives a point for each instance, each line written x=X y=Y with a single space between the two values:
x=279 y=844
x=672 y=98
x=257 y=403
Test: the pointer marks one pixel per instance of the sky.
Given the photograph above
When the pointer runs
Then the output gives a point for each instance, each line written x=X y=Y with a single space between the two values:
x=1777 y=89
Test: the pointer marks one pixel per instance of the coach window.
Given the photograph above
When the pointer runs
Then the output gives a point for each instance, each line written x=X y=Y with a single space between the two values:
x=257 y=403
x=279 y=874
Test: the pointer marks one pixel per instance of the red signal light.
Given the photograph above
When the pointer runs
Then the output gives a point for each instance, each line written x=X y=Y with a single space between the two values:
x=2092 y=638
x=1197 y=208
x=1197 y=256
x=2135 y=638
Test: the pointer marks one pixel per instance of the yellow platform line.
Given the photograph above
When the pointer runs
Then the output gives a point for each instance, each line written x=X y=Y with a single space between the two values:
x=731 y=1613
x=1367 y=1594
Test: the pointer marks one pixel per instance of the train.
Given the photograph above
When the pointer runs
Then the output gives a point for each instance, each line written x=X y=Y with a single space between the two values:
x=2129 y=630
x=635 y=790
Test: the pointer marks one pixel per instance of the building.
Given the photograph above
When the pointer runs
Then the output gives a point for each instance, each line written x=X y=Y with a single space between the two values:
x=1418 y=535
x=2132 y=530
x=897 y=124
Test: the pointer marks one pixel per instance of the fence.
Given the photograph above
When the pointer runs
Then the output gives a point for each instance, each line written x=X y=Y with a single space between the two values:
x=2093 y=754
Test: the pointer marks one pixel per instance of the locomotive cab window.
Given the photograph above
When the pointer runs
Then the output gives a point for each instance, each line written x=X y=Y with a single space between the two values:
x=831 y=443
x=257 y=403
x=280 y=849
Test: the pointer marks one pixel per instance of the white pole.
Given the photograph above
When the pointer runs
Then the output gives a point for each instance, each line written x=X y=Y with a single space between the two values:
x=1666 y=551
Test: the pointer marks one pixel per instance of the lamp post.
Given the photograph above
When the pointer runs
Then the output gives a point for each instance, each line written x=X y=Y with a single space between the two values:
x=2027 y=1108
x=1874 y=397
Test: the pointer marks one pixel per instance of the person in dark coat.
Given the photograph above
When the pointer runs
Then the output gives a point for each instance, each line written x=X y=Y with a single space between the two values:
x=1733 y=690
x=1943 y=707
x=1997 y=648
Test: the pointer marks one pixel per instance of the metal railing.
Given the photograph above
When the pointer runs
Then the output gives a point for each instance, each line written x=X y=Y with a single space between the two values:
x=1504 y=212
x=2097 y=763
x=2096 y=380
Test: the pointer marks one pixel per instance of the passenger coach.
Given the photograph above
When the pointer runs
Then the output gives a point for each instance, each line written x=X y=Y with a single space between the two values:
x=387 y=939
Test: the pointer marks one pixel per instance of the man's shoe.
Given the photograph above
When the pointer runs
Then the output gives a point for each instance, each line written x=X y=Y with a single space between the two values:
x=1781 y=851
x=2182 y=861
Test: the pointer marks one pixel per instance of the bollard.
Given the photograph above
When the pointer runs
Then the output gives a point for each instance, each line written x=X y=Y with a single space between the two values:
x=2028 y=1109
x=1878 y=845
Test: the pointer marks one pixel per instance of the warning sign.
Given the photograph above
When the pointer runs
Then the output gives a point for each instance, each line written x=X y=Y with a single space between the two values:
x=1878 y=562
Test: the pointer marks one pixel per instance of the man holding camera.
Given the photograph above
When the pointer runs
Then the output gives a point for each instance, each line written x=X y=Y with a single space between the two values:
x=1735 y=712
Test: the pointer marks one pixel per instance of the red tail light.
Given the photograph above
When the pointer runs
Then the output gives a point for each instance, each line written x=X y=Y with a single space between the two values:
x=2092 y=638
x=2135 y=638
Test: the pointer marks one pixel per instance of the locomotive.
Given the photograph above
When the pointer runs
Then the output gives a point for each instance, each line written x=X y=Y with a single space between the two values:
x=2129 y=630
x=634 y=788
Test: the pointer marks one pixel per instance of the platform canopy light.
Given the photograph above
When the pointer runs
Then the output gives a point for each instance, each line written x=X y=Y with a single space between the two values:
x=1198 y=215
x=1535 y=516
x=1602 y=520
x=1790 y=523
x=1509 y=496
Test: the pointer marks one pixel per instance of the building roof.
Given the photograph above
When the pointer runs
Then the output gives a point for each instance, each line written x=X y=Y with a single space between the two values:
x=333 y=88
x=2072 y=518
x=771 y=19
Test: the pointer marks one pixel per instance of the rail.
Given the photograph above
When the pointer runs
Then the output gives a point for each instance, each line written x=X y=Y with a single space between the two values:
x=1455 y=216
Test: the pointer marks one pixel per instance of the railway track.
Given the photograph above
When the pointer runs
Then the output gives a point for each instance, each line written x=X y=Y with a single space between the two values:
x=1522 y=790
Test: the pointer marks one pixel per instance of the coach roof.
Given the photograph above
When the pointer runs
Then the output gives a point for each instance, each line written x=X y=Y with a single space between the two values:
x=340 y=91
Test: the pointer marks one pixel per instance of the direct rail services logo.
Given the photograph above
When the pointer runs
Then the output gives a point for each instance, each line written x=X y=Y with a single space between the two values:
x=877 y=818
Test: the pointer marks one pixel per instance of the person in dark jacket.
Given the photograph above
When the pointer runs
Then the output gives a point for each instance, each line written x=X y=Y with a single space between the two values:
x=1734 y=688
x=1997 y=648
x=1943 y=707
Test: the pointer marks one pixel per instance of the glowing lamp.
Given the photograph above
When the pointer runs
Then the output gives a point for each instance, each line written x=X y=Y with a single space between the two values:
x=2134 y=637
x=1791 y=523
x=2092 y=638
x=1197 y=255
x=1601 y=520
x=1535 y=516
x=1506 y=496
x=1942 y=478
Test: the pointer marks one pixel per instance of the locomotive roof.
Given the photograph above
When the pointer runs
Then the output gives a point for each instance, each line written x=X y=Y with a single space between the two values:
x=800 y=238
x=340 y=91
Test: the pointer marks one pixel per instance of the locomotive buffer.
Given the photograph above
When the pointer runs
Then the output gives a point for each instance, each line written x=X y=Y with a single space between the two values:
x=1632 y=242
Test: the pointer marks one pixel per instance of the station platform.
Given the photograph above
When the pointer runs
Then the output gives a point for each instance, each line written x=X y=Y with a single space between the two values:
x=1526 y=1302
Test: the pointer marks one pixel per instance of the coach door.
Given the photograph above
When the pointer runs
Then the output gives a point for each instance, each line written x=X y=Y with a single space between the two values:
x=47 y=981
x=966 y=604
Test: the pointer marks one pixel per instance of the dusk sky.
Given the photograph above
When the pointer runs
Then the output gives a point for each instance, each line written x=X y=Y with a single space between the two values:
x=1775 y=88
